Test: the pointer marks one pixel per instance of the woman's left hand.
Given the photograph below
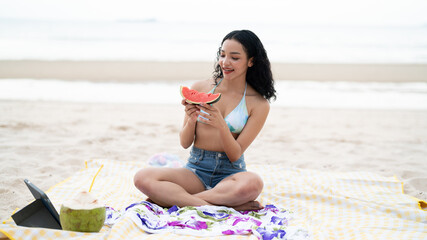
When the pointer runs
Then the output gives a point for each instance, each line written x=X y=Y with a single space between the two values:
x=213 y=115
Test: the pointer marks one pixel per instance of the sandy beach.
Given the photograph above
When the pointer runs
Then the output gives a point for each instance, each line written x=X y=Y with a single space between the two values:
x=48 y=141
x=137 y=71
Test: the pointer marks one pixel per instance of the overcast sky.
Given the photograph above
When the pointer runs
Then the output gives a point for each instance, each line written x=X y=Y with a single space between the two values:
x=335 y=12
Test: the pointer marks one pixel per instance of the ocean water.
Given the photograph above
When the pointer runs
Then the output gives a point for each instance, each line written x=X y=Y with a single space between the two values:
x=306 y=94
x=155 y=40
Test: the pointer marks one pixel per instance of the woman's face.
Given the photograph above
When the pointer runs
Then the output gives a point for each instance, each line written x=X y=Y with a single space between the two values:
x=233 y=60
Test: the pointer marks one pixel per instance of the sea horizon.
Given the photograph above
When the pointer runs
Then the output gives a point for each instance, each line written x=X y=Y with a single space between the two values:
x=150 y=39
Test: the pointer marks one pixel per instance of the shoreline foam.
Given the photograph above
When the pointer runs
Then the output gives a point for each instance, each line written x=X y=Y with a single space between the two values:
x=296 y=94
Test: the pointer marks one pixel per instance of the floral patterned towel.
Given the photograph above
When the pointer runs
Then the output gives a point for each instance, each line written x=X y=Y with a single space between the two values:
x=268 y=223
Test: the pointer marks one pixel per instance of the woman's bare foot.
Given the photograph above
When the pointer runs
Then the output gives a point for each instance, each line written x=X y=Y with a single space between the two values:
x=249 y=206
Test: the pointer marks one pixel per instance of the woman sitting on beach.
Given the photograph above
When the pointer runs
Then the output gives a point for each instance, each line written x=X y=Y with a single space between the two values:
x=215 y=173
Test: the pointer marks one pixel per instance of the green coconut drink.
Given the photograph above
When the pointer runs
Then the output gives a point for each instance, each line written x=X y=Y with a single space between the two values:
x=83 y=213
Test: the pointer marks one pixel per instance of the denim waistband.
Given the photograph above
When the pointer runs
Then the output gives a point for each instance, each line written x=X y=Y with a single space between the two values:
x=212 y=154
x=207 y=153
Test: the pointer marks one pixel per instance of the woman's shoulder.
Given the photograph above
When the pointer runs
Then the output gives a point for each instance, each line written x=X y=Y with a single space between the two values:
x=256 y=101
x=203 y=85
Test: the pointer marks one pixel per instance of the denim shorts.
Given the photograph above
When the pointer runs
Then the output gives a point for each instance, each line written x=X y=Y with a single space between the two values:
x=211 y=167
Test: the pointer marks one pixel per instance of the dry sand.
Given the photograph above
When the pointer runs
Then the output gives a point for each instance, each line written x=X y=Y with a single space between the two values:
x=48 y=142
x=136 y=71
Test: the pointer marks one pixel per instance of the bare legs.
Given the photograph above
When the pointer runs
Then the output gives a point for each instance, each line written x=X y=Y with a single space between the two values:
x=238 y=191
x=170 y=186
x=181 y=187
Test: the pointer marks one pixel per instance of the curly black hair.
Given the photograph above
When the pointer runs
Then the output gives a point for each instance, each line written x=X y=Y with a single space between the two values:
x=259 y=76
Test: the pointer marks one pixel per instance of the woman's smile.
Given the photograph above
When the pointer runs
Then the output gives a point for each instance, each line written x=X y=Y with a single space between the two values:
x=227 y=70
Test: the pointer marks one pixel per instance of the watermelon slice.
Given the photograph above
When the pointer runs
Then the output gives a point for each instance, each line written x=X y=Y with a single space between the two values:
x=194 y=97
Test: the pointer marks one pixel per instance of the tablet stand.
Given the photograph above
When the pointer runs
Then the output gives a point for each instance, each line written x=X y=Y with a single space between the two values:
x=40 y=213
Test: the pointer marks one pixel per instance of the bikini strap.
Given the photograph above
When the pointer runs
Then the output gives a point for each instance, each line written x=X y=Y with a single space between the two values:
x=213 y=90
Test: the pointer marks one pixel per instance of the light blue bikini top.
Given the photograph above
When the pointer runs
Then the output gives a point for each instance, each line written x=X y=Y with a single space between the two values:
x=236 y=119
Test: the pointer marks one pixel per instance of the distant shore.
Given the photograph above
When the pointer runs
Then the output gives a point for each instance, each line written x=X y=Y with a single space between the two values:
x=140 y=71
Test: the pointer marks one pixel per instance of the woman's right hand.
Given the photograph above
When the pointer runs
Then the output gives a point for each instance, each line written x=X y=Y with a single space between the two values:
x=190 y=111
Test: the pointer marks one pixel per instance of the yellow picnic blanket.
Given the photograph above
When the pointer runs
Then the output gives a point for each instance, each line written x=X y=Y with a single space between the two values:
x=331 y=205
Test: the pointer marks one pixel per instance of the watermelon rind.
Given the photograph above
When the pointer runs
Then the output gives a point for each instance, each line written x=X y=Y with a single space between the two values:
x=215 y=97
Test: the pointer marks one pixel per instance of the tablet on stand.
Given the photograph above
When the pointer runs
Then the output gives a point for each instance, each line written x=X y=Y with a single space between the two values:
x=40 y=213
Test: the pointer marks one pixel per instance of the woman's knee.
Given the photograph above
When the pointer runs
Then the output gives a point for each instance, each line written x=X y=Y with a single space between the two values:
x=143 y=179
x=251 y=187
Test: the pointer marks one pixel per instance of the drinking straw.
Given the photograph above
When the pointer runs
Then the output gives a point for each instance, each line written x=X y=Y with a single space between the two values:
x=95 y=177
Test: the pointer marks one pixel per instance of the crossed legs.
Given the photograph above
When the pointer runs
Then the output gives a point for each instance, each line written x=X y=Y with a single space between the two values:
x=180 y=186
